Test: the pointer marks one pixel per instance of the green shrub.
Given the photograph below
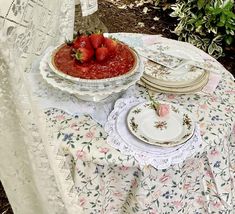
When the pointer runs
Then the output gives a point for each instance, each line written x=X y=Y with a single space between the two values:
x=164 y=4
x=207 y=24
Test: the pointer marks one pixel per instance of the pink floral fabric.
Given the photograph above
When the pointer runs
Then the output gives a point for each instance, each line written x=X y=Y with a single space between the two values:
x=110 y=182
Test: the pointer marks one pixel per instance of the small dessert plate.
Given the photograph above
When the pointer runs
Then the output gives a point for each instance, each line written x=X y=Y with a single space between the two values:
x=171 y=130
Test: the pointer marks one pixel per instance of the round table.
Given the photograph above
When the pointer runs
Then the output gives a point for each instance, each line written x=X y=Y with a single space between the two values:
x=97 y=178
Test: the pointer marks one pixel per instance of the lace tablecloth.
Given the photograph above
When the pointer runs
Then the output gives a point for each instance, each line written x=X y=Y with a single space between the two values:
x=100 y=179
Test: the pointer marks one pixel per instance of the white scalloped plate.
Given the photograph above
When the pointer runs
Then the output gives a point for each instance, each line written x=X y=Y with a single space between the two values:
x=91 y=81
x=171 y=130
x=87 y=92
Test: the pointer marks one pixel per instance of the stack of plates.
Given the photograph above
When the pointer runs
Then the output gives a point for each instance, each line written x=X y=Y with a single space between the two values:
x=187 y=79
x=167 y=73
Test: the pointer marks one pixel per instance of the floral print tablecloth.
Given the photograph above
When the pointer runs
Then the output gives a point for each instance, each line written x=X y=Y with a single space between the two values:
x=107 y=181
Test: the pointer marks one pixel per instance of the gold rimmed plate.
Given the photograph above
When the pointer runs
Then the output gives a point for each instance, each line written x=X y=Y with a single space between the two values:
x=172 y=84
x=184 y=76
x=171 y=130
x=196 y=86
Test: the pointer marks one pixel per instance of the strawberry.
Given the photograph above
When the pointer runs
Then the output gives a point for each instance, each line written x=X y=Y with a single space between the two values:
x=111 y=44
x=96 y=39
x=82 y=41
x=84 y=54
x=101 y=54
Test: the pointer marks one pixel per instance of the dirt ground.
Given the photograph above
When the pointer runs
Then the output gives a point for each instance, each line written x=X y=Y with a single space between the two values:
x=115 y=19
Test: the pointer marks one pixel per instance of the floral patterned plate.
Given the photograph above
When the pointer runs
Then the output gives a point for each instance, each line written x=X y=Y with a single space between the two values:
x=171 y=130
x=172 y=63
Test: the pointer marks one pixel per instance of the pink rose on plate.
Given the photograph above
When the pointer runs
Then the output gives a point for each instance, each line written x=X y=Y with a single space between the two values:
x=162 y=110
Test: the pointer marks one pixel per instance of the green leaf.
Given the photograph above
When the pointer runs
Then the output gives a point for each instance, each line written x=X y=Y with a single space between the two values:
x=228 y=25
x=218 y=38
x=228 y=4
x=211 y=49
x=220 y=24
x=198 y=23
x=229 y=14
x=217 y=4
x=200 y=4
x=223 y=18
x=216 y=11
x=191 y=21
x=229 y=40
x=214 y=30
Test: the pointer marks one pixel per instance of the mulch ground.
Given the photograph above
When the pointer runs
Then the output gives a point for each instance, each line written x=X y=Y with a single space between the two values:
x=5 y=207
x=135 y=21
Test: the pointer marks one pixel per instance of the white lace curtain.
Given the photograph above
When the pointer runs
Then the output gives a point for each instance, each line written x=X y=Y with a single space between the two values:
x=27 y=28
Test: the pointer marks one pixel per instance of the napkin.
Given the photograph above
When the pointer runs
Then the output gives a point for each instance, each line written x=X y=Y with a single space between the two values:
x=150 y=39
x=212 y=83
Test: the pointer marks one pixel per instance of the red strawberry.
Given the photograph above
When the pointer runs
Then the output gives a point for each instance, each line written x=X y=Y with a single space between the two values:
x=82 y=41
x=96 y=39
x=111 y=45
x=84 y=54
x=101 y=54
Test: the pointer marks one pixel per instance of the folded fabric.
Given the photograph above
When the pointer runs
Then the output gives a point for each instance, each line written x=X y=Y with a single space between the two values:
x=212 y=83
x=150 y=39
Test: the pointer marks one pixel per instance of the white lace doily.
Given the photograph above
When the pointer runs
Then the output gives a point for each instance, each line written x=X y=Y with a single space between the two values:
x=161 y=158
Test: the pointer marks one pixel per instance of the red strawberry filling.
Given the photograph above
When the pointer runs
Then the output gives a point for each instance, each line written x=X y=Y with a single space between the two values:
x=107 y=67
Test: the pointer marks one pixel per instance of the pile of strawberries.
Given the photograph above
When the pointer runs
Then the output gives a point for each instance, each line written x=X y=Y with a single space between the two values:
x=93 y=47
